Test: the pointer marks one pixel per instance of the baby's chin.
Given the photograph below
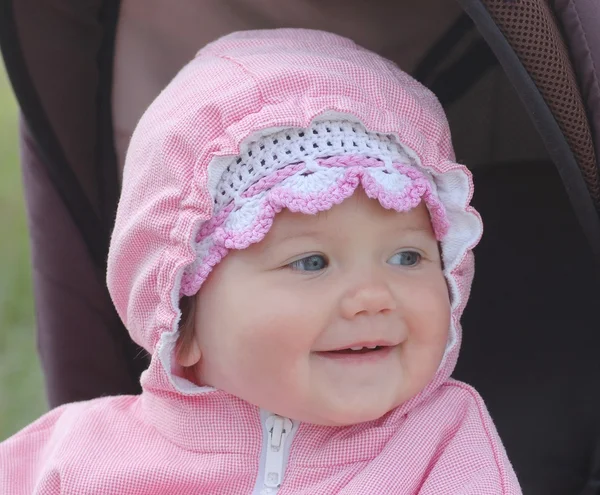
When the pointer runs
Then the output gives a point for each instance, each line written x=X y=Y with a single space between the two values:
x=348 y=419
x=346 y=416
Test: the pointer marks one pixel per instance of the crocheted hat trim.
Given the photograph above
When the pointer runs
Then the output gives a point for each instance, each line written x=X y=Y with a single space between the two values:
x=267 y=155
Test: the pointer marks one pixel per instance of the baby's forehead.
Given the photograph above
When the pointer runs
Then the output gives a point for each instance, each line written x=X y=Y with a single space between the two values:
x=358 y=213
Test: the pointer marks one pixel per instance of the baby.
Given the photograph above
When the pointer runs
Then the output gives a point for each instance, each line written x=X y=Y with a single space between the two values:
x=294 y=246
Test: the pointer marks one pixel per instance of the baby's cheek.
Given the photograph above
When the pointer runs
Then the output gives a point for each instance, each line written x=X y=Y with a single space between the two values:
x=263 y=340
x=428 y=314
x=277 y=349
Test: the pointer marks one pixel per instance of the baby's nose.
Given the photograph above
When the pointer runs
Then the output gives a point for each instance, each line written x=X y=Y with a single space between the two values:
x=369 y=299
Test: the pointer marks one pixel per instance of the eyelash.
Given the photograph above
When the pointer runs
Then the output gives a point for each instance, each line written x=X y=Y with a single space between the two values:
x=418 y=256
x=295 y=265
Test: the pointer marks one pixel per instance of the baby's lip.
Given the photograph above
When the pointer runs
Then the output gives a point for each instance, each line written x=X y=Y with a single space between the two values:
x=362 y=344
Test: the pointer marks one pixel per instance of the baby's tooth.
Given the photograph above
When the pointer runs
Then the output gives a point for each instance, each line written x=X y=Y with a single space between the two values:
x=374 y=347
x=356 y=348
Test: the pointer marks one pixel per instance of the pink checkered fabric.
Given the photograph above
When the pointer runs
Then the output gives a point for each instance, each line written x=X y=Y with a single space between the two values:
x=181 y=439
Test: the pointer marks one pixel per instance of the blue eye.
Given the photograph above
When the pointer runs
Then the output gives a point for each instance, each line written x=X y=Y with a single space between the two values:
x=405 y=258
x=312 y=263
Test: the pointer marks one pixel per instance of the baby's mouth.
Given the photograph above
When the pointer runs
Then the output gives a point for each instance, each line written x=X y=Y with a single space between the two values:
x=358 y=354
x=357 y=350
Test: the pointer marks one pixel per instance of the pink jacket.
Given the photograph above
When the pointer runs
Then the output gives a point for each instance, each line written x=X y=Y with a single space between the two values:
x=177 y=438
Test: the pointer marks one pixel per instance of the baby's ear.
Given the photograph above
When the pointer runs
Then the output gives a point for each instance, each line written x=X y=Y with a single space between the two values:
x=187 y=349
x=189 y=355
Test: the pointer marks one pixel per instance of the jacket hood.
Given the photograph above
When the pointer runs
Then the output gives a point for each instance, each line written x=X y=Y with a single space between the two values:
x=237 y=89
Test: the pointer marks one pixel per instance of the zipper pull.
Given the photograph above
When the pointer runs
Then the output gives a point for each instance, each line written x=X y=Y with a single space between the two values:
x=278 y=429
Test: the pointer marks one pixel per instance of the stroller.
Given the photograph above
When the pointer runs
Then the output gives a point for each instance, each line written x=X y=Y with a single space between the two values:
x=520 y=81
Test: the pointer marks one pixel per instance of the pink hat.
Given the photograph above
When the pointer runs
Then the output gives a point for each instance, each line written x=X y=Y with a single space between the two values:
x=265 y=120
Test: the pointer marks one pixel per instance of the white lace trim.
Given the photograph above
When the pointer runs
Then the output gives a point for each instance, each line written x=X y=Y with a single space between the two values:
x=262 y=157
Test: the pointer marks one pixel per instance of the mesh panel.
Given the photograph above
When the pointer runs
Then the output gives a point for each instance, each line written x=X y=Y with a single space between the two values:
x=531 y=30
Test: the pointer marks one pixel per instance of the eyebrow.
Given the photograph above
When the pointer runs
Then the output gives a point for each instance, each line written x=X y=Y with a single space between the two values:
x=417 y=228
x=290 y=236
x=312 y=233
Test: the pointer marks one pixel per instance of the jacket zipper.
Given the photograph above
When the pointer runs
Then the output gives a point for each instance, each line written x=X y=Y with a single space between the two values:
x=279 y=433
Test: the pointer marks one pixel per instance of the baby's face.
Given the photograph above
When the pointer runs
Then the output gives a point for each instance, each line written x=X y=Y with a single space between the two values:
x=276 y=323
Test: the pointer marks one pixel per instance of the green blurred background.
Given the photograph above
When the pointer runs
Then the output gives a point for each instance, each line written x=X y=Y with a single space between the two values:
x=22 y=396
